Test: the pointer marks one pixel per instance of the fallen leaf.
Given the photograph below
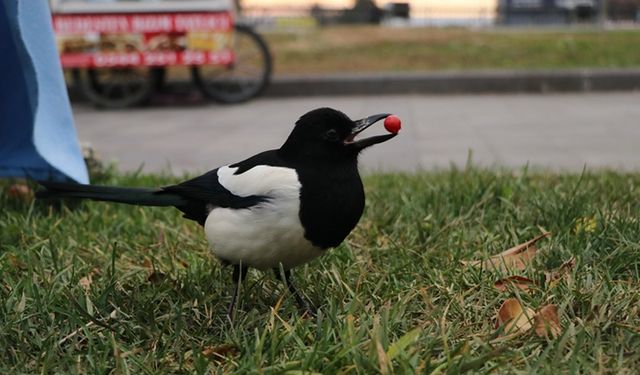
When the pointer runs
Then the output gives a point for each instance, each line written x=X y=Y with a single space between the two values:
x=20 y=192
x=518 y=282
x=19 y=308
x=220 y=351
x=156 y=277
x=547 y=322
x=148 y=265
x=15 y=262
x=85 y=282
x=564 y=271
x=517 y=257
x=514 y=317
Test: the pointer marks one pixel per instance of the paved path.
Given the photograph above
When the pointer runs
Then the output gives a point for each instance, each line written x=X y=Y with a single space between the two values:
x=562 y=132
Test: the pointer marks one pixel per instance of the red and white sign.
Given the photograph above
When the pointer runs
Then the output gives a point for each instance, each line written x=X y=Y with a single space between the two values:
x=97 y=60
x=153 y=39
x=142 y=23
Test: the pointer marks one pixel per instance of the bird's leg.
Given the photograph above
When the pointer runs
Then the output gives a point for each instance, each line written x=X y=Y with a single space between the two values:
x=304 y=305
x=239 y=273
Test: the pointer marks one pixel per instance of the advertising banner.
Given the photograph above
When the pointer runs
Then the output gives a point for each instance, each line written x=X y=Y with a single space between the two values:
x=154 y=39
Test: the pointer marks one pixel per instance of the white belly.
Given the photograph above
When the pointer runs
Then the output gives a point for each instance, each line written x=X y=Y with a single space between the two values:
x=268 y=234
x=261 y=237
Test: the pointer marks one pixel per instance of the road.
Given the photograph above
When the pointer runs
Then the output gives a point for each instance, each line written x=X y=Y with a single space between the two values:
x=559 y=131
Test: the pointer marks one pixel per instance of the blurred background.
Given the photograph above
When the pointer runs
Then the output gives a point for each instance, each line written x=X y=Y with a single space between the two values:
x=545 y=83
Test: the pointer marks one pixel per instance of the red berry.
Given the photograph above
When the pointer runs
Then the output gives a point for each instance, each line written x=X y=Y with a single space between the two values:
x=392 y=124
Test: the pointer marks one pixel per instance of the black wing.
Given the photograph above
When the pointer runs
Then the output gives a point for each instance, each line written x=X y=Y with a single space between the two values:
x=205 y=192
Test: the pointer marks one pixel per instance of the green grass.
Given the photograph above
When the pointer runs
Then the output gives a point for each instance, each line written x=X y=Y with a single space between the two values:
x=368 y=49
x=395 y=294
x=382 y=49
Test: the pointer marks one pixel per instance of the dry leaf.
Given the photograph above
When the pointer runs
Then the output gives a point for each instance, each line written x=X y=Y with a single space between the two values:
x=15 y=262
x=517 y=257
x=20 y=192
x=547 y=322
x=564 y=271
x=156 y=277
x=518 y=319
x=220 y=351
x=85 y=282
x=518 y=282
x=514 y=317
x=147 y=264
x=19 y=308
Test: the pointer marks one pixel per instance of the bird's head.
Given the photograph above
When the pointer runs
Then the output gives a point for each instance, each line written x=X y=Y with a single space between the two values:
x=329 y=134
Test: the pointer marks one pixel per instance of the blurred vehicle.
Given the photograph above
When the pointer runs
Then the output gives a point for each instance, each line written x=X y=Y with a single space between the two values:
x=118 y=51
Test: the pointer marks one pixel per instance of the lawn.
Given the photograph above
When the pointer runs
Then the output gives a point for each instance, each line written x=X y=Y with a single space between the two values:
x=101 y=288
x=369 y=49
x=348 y=49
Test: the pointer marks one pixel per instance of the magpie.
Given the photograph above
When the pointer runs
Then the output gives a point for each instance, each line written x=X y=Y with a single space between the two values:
x=275 y=210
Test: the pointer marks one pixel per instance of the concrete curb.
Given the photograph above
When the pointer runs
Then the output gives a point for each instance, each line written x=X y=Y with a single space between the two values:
x=452 y=82
x=457 y=82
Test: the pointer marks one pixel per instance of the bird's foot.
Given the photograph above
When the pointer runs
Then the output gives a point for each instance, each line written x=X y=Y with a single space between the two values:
x=309 y=313
x=305 y=308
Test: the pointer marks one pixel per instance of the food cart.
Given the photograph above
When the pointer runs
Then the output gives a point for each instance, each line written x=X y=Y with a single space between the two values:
x=118 y=51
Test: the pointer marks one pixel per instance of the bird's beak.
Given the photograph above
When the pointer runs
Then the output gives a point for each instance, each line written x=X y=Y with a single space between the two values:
x=361 y=125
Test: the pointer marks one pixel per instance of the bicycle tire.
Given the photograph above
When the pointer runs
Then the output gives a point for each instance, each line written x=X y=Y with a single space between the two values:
x=225 y=84
x=122 y=91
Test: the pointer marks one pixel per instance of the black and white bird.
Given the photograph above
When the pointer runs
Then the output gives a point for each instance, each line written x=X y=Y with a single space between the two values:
x=277 y=209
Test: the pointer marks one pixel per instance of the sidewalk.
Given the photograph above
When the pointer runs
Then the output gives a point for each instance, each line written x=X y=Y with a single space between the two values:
x=556 y=131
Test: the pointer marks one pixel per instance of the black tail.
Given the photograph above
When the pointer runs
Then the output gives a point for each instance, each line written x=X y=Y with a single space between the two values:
x=138 y=196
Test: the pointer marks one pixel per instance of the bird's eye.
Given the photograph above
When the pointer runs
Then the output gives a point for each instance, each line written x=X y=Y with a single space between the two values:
x=331 y=135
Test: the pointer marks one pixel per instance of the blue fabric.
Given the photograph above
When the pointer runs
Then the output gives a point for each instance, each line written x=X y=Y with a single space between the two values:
x=37 y=135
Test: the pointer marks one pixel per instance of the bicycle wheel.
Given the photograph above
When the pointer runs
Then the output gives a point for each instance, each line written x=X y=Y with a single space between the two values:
x=242 y=80
x=117 y=87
